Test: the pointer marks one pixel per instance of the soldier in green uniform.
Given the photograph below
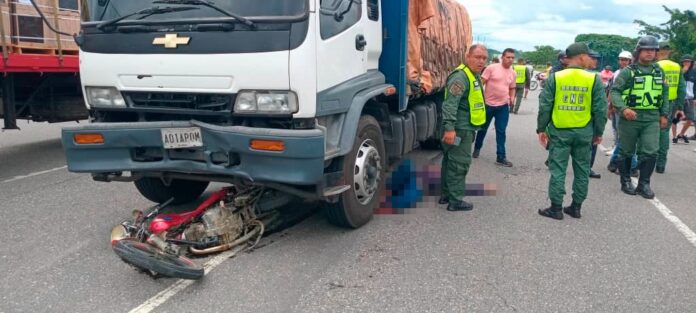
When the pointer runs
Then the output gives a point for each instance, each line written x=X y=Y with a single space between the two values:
x=572 y=115
x=463 y=112
x=522 y=78
x=638 y=95
x=677 y=93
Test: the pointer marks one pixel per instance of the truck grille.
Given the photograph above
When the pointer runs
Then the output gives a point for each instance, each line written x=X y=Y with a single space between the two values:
x=186 y=101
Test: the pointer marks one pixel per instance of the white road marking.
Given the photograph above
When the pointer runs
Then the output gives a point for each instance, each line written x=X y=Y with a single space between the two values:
x=669 y=215
x=181 y=284
x=16 y=178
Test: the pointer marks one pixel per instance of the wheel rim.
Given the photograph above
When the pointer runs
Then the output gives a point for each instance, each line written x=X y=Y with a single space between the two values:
x=367 y=172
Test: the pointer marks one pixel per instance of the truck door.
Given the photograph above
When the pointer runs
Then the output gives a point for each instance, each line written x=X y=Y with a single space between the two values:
x=341 y=42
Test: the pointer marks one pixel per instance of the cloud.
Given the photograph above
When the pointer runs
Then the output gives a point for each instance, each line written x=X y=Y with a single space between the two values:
x=669 y=3
x=525 y=24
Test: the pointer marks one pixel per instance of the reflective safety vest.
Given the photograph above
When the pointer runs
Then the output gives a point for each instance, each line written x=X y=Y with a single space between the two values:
x=477 y=105
x=672 y=72
x=572 y=106
x=646 y=91
x=521 y=71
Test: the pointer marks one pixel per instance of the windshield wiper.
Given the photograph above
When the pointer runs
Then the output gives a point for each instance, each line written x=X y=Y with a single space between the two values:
x=145 y=13
x=209 y=4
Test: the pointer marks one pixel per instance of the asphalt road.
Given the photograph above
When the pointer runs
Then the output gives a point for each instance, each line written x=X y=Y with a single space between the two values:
x=622 y=256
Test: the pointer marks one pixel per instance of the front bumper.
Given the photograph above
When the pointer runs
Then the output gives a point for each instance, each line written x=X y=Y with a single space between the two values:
x=225 y=152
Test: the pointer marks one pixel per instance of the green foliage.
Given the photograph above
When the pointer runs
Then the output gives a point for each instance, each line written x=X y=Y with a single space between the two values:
x=680 y=31
x=541 y=55
x=608 y=47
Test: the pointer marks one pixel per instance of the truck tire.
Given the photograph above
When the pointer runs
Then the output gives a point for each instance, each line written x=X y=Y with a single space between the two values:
x=363 y=169
x=183 y=191
x=434 y=143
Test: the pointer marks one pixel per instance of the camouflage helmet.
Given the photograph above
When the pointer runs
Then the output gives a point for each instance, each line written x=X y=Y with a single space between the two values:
x=647 y=42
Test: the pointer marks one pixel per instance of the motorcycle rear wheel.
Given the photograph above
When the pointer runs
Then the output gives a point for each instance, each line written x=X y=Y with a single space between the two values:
x=147 y=257
x=533 y=85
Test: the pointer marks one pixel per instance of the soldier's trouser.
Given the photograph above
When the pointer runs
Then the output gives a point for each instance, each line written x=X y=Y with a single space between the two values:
x=644 y=135
x=455 y=166
x=575 y=144
x=519 y=92
x=664 y=148
x=593 y=154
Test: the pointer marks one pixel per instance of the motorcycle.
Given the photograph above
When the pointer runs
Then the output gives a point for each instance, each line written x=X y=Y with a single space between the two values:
x=158 y=244
x=538 y=79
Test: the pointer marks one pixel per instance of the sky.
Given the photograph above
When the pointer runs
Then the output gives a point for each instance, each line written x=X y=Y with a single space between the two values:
x=524 y=24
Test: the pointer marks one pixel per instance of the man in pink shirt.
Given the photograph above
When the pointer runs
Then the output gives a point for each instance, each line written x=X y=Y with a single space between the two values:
x=499 y=82
x=606 y=75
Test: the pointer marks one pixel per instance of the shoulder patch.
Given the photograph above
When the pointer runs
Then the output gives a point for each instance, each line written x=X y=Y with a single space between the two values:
x=456 y=88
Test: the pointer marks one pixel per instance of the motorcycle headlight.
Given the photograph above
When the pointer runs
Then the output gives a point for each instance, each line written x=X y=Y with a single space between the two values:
x=105 y=97
x=266 y=102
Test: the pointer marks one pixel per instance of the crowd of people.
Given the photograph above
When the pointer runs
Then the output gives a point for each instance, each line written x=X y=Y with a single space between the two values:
x=641 y=98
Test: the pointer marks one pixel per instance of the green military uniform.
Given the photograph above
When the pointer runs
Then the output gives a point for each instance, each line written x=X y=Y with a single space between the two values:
x=463 y=111
x=641 y=88
x=572 y=110
x=522 y=76
x=677 y=93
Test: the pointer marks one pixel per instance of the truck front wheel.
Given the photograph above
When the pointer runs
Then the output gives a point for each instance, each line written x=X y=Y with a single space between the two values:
x=155 y=190
x=363 y=170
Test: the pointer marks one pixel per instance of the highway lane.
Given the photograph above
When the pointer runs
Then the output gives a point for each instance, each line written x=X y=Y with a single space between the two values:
x=622 y=256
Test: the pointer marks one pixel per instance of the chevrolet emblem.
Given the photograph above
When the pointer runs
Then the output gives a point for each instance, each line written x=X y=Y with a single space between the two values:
x=171 y=41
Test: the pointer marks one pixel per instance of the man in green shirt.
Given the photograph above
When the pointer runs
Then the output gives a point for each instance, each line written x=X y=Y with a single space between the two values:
x=463 y=112
x=640 y=97
x=677 y=93
x=522 y=78
x=572 y=115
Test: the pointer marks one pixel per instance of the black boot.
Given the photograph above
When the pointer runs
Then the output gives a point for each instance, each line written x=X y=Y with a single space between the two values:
x=460 y=206
x=573 y=210
x=625 y=172
x=594 y=174
x=443 y=200
x=646 y=169
x=553 y=212
x=613 y=166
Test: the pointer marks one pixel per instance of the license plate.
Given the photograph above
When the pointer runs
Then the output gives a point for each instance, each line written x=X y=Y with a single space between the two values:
x=175 y=138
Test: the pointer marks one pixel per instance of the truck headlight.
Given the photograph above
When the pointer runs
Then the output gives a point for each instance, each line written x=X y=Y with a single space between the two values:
x=105 y=97
x=266 y=102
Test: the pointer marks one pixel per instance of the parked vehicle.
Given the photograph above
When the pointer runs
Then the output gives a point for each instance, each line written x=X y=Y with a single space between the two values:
x=312 y=98
x=538 y=80
x=40 y=69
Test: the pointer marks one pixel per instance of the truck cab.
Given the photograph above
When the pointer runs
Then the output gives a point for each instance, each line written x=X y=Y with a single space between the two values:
x=291 y=95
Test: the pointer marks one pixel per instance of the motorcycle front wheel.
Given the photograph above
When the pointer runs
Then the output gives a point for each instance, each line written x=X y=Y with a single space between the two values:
x=147 y=257
x=533 y=85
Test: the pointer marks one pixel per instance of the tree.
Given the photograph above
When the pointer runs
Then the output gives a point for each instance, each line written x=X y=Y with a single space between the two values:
x=608 y=47
x=492 y=53
x=680 y=31
x=541 y=55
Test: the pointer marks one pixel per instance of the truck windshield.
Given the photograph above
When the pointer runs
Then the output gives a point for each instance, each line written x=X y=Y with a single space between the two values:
x=104 y=10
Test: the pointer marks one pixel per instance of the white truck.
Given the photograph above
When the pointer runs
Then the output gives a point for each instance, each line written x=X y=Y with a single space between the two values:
x=309 y=98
